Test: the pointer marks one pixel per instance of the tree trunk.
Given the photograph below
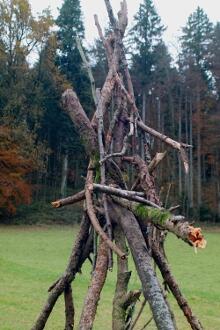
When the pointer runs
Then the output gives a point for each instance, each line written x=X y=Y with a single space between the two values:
x=64 y=176
x=198 y=128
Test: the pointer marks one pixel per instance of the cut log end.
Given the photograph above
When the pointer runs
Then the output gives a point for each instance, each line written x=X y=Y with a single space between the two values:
x=56 y=204
x=197 y=238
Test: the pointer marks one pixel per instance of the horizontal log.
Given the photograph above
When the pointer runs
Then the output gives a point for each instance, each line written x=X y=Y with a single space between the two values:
x=182 y=229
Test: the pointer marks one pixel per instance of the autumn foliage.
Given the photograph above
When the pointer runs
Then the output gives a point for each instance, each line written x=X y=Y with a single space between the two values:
x=14 y=168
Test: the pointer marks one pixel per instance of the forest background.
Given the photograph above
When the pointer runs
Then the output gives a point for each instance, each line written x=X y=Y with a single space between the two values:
x=41 y=156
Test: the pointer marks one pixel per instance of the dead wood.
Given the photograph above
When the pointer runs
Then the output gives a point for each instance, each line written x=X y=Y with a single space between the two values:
x=93 y=294
x=122 y=298
x=80 y=120
x=150 y=285
x=69 y=308
x=74 y=265
x=174 y=288
x=182 y=229
x=135 y=212
x=69 y=200
x=94 y=220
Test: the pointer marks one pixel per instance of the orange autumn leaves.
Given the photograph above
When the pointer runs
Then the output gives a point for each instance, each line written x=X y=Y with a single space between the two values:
x=196 y=237
x=14 y=167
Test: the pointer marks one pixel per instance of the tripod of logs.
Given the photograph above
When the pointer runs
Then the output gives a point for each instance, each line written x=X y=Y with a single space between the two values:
x=120 y=215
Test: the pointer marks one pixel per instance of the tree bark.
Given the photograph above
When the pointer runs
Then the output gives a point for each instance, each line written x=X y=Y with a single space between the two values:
x=150 y=284
x=93 y=295
x=69 y=308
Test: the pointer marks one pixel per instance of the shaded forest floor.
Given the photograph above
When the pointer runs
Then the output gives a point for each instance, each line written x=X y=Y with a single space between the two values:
x=32 y=257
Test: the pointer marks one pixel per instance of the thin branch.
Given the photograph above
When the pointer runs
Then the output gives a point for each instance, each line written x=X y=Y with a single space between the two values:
x=148 y=322
x=138 y=315
x=118 y=154
x=106 y=43
x=172 y=143
x=88 y=68
x=129 y=195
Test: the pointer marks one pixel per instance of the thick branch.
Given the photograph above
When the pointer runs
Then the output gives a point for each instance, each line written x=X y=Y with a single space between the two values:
x=191 y=235
x=150 y=284
x=79 y=118
x=69 y=308
x=93 y=294
x=173 y=286
x=75 y=262
x=69 y=200
x=122 y=299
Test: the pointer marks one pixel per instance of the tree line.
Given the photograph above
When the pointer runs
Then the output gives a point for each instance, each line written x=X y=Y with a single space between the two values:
x=41 y=154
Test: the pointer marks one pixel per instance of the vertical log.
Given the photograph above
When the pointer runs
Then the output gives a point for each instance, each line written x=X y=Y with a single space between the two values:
x=198 y=133
x=69 y=308
x=64 y=176
x=93 y=295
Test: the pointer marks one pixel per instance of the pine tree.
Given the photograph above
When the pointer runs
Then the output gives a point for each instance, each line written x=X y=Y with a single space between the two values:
x=145 y=36
x=70 y=26
x=195 y=69
x=196 y=39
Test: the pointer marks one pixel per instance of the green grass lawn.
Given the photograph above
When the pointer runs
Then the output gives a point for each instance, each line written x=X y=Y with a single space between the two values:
x=32 y=257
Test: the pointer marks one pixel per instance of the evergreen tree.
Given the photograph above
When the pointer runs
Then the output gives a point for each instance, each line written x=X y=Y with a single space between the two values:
x=70 y=26
x=145 y=37
x=196 y=39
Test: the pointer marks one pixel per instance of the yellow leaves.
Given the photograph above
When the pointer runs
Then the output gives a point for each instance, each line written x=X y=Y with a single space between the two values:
x=196 y=237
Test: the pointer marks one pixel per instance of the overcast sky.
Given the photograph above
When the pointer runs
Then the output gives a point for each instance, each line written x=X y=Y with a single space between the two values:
x=173 y=13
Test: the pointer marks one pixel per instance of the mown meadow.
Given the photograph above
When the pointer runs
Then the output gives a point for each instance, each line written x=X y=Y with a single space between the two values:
x=32 y=257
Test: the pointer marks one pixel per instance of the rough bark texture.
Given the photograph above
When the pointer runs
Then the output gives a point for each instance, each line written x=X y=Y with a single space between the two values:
x=93 y=295
x=79 y=118
x=69 y=308
x=142 y=260
x=122 y=299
